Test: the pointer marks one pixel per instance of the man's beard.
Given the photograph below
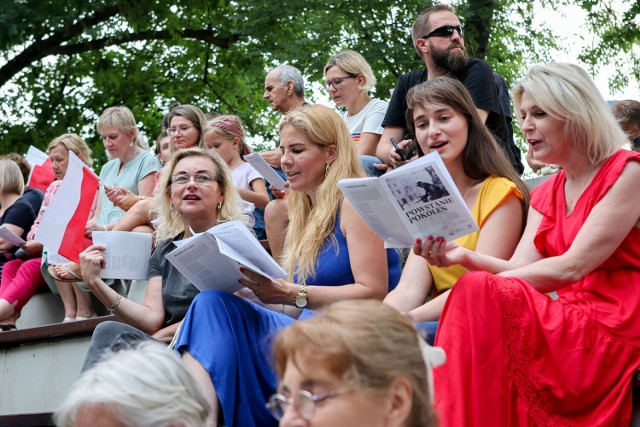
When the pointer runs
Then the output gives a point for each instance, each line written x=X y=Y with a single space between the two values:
x=449 y=60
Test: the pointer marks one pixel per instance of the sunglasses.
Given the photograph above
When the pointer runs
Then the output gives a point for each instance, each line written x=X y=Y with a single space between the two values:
x=446 y=31
x=636 y=142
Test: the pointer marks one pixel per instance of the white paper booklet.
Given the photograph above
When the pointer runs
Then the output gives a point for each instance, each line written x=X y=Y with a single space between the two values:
x=10 y=236
x=127 y=254
x=414 y=201
x=212 y=260
x=265 y=170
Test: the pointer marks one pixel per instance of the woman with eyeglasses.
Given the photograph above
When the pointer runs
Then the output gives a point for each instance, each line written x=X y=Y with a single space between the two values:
x=358 y=363
x=196 y=193
x=349 y=78
x=330 y=255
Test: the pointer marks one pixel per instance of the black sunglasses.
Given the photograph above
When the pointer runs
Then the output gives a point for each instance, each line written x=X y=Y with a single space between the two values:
x=446 y=31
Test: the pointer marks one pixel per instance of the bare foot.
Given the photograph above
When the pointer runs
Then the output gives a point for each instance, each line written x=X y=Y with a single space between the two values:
x=68 y=271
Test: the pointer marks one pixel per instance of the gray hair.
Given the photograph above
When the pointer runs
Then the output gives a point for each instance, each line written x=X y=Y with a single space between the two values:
x=143 y=387
x=288 y=73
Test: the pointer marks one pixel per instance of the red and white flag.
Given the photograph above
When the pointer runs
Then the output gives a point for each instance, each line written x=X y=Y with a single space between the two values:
x=62 y=226
x=41 y=173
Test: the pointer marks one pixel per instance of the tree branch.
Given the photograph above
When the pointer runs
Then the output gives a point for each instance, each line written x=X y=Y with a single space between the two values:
x=203 y=35
x=42 y=48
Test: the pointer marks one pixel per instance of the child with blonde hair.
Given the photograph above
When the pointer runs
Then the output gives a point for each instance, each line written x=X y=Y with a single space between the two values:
x=225 y=136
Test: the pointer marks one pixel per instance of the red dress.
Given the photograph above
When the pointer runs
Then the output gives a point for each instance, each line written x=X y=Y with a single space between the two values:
x=516 y=357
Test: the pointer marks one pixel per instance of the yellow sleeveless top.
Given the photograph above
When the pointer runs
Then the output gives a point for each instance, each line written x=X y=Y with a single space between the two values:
x=493 y=193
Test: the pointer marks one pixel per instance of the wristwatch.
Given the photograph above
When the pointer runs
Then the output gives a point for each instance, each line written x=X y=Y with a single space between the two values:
x=301 y=299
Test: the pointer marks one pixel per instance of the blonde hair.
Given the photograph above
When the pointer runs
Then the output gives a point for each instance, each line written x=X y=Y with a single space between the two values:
x=367 y=344
x=310 y=225
x=121 y=118
x=75 y=144
x=11 y=180
x=171 y=222
x=354 y=64
x=229 y=127
x=566 y=92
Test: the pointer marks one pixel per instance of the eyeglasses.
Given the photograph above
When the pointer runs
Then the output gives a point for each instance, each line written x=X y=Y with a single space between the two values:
x=181 y=129
x=337 y=82
x=303 y=401
x=446 y=31
x=181 y=179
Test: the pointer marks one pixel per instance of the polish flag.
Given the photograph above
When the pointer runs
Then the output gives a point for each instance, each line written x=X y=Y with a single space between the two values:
x=41 y=173
x=62 y=226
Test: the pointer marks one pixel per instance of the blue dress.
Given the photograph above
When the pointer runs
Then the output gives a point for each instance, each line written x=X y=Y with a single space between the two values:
x=231 y=337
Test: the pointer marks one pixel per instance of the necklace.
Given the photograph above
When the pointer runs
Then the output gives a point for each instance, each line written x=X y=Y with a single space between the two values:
x=578 y=192
x=133 y=155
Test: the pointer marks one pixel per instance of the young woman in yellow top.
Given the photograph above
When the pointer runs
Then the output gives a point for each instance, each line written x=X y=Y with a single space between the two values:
x=444 y=119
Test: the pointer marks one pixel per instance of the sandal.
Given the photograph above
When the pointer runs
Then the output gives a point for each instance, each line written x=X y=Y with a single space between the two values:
x=66 y=267
x=6 y=327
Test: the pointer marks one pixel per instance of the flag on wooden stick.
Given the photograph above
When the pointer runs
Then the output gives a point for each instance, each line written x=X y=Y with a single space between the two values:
x=62 y=226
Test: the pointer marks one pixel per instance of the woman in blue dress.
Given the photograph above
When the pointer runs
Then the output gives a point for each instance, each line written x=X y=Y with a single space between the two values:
x=330 y=255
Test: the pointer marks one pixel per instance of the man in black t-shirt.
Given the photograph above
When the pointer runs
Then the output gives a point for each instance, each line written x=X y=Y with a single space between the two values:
x=438 y=37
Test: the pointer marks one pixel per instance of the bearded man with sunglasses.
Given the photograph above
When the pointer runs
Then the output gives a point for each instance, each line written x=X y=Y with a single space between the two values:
x=438 y=37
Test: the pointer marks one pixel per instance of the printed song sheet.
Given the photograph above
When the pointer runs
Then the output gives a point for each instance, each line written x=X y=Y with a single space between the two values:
x=413 y=201
x=10 y=236
x=265 y=170
x=212 y=260
x=127 y=254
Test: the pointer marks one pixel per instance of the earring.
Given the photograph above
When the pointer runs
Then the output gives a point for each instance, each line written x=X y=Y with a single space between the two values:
x=326 y=168
x=131 y=144
x=219 y=205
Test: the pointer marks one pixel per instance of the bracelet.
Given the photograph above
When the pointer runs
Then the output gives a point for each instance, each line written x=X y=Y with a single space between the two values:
x=114 y=306
x=104 y=227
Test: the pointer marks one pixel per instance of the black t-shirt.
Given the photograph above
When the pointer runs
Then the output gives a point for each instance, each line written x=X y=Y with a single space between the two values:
x=177 y=291
x=479 y=80
x=35 y=197
x=21 y=215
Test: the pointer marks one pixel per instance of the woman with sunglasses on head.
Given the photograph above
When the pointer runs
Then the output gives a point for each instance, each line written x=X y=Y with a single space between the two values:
x=330 y=255
x=358 y=363
x=349 y=78
x=196 y=193
x=444 y=119
x=550 y=336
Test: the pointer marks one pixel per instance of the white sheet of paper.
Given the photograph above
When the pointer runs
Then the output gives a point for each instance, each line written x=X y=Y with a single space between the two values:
x=212 y=260
x=10 y=236
x=127 y=254
x=265 y=170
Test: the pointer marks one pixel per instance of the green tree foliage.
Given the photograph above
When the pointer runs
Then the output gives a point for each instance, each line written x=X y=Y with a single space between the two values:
x=63 y=62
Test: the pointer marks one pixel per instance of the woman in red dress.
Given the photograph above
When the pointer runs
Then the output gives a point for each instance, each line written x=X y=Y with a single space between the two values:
x=551 y=336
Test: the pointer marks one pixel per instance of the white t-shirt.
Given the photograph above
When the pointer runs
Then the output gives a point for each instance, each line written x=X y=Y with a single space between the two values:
x=369 y=119
x=242 y=177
